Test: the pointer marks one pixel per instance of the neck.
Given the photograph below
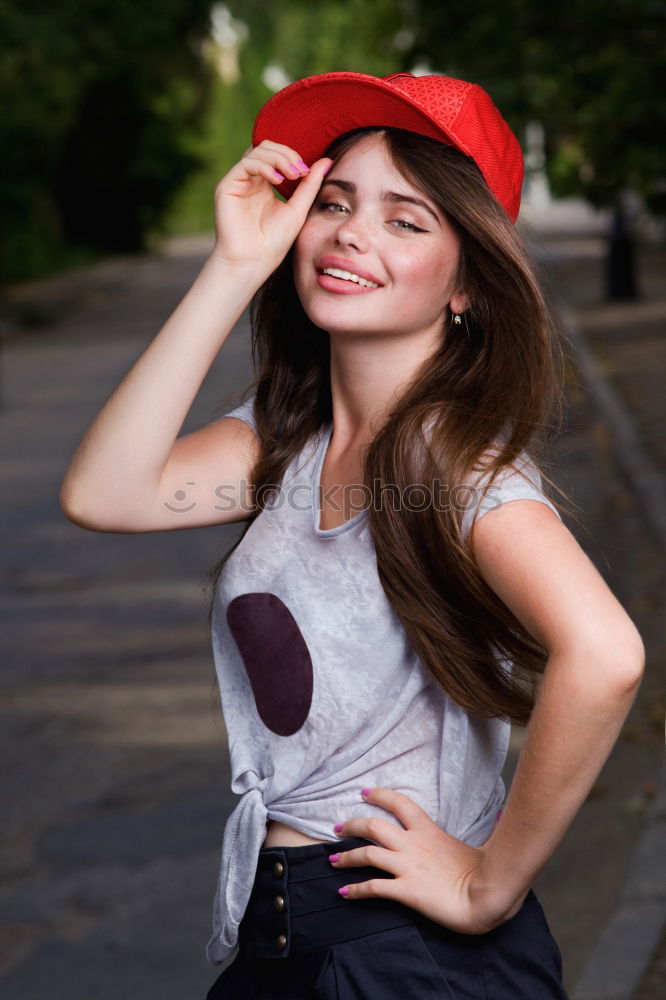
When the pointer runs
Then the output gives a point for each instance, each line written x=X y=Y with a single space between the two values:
x=369 y=376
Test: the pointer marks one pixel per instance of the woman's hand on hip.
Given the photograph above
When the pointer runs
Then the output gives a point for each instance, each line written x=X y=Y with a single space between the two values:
x=253 y=226
x=436 y=874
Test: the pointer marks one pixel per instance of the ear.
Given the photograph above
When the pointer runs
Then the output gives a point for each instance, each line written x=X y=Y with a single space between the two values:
x=459 y=302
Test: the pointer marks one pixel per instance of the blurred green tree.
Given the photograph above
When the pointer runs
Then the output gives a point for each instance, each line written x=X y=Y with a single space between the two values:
x=101 y=105
x=273 y=44
x=588 y=70
x=306 y=38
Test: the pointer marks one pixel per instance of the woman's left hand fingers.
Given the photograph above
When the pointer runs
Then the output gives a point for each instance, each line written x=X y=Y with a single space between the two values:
x=431 y=869
x=372 y=828
x=374 y=888
x=371 y=856
x=405 y=809
x=389 y=852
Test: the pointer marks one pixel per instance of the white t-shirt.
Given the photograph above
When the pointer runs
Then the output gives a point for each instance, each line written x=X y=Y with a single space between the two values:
x=322 y=694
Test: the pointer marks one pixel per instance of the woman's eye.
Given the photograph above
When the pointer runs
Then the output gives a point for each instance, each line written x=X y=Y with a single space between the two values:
x=331 y=206
x=408 y=226
x=336 y=208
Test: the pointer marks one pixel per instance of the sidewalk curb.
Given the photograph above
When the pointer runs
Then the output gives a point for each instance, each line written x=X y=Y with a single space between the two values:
x=623 y=952
x=646 y=479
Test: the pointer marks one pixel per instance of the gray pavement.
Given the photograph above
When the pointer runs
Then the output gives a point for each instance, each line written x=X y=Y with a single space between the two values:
x=116 y=771
x=618 y=352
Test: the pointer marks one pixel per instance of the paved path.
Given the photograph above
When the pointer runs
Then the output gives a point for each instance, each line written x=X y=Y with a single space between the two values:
x=116 y=769
x=619 y=355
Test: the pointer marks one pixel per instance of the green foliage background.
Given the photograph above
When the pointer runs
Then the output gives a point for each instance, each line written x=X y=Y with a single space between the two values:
x=303 y=38
x=116 y=126
x=100 y=105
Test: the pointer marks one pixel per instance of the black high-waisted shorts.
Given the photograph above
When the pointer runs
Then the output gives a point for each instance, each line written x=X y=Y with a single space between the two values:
x=301 y=940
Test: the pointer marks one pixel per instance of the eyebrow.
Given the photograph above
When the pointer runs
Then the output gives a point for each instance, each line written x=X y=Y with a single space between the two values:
x=395 y=197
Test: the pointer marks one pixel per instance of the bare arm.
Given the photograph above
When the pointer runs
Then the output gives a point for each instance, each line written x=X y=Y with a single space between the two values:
x=594 y=668
x=113 y=480
x=127 y=462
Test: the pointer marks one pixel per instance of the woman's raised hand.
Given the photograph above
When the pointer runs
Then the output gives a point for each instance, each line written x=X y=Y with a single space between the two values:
x=253 y=226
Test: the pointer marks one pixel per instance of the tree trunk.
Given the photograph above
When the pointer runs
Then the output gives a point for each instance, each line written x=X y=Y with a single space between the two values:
x=621 y=283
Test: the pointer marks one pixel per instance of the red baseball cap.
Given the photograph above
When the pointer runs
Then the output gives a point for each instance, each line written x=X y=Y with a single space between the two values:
x=309 y=114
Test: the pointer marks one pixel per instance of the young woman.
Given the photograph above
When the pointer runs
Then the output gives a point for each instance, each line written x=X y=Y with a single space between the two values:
x=402 y=579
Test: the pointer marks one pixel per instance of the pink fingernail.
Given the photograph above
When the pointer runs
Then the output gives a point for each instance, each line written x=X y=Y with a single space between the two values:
x=338 y=827
x=292 y=166
x=304 y=166
x=365 y=791
x=333 y=858
x=278 y=177
x=344 y=891
x=326 y=169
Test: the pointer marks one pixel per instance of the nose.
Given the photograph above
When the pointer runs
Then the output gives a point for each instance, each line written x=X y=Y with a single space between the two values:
x=352 y=232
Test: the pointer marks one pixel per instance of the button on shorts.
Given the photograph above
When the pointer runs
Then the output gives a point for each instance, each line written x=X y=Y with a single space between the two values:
x=301 y=940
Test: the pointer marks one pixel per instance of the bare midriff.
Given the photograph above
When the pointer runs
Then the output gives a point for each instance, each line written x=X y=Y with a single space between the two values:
x=281 y=835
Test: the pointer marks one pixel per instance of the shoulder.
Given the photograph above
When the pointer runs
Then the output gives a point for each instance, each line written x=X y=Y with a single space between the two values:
x=538 y=569
x=486 y=493
x=523 y=551
x=244 y=412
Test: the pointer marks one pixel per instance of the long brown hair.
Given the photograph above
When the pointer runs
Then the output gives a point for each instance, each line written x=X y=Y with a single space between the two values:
x=490 y=392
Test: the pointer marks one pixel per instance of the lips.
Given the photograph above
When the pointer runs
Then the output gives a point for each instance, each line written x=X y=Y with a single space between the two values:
x=350 y=267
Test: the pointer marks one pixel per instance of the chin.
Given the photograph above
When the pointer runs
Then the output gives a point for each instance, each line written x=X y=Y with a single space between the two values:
x=338 y=317
x=336 y=327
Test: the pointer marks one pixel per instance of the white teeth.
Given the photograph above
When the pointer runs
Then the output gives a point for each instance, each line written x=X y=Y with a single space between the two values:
x=348 y=276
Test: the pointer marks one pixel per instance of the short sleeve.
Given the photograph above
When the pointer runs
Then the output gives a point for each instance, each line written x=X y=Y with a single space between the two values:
x=520 y=481
x=244 y=412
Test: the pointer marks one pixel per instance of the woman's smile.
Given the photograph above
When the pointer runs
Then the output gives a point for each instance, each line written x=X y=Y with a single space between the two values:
x=345 y=277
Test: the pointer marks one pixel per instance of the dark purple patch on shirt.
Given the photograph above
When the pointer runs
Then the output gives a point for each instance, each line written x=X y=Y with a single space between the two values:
x=276 y=658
